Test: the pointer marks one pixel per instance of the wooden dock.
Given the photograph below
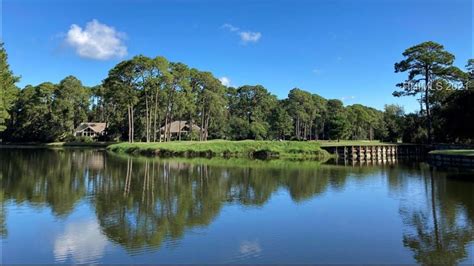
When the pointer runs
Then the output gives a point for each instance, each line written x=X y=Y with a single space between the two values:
x=384 y=152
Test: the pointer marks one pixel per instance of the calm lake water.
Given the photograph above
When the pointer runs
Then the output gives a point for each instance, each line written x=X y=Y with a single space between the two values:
x=88 y=206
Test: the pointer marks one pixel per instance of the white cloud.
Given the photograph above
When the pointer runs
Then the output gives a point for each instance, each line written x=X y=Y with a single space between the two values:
x=245 y=36
x=82 y=241
x=249 y=36
x=230 y=27
x=225 y=81
x=96 y=41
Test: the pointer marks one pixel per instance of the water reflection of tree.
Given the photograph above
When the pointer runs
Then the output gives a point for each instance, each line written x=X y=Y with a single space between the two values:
x=141 y=203
x=3 y=213
x=440 y=226
x=154 y=201
x=39 y=177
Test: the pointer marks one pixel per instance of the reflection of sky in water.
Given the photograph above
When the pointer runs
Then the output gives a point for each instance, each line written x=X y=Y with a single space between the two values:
x=81 y=241
x=247 y=250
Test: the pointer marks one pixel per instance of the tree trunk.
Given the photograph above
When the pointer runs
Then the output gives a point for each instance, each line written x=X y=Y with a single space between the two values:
x=179 y=130
x=158 y=128
x=427 y=103
x=155 y=116
x=169 y=109
x=169 y=128
x=166 y=126
x=201 y=133
x=207 y=127
x=324 y=130
x=305 y=131
x=316 y=131
x=150 y=120
x=298 y=128
x=171 y=119
x=133 y=124
x=147 y=113
x=191 y=127
x=129 y=124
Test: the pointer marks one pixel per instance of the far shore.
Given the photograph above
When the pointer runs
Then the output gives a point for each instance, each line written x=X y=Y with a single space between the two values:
x=322 y=143
x=225 y=148
x=313 y=150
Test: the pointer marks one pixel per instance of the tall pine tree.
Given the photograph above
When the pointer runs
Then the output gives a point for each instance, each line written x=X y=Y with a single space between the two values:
x=8 y=90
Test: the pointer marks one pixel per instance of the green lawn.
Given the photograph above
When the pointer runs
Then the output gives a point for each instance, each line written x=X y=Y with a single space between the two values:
x=58 y=144
x=454 y=152
x=333 y=143
x=224 y=148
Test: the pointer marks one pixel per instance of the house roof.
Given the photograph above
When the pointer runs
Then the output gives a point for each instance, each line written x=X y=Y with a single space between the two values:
x=175 y=125
x=96 y=127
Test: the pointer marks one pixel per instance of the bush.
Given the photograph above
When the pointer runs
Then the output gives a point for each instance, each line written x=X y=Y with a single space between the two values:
x=83 y=139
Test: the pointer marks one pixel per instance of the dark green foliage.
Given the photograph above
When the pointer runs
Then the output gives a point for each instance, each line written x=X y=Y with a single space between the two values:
x=458 y=116
x=48 y=112
x=337 y=125
x=393 y=119
x=8 y=90
x=426 y=63
x=413 y=129
x=32 y=118
x=251 y=108
x=70 y=106
x=280 y=122
x=303 y=110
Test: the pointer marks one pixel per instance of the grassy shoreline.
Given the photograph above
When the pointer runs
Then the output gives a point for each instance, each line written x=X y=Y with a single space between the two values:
x=215 y=148
x=56 y=144
x=469 y=153
x=223 y=148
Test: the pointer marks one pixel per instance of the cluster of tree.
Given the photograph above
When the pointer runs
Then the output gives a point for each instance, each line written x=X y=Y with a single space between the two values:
x=8 y=90
x=445 y=93
x=48 y=112
x=142 y=95
x=304 y=116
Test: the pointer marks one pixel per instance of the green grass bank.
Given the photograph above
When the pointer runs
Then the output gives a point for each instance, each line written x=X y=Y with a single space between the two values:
x=454 y=152
x=224 y=148
x=56 y=144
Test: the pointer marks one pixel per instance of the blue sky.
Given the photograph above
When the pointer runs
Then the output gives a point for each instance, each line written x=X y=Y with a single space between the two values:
x=338 y=49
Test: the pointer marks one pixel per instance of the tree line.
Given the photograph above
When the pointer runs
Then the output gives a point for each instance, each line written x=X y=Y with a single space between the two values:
x=141 y=95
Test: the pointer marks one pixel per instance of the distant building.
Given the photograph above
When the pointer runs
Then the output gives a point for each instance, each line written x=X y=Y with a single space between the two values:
x=90 y=129
x=179 y=126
